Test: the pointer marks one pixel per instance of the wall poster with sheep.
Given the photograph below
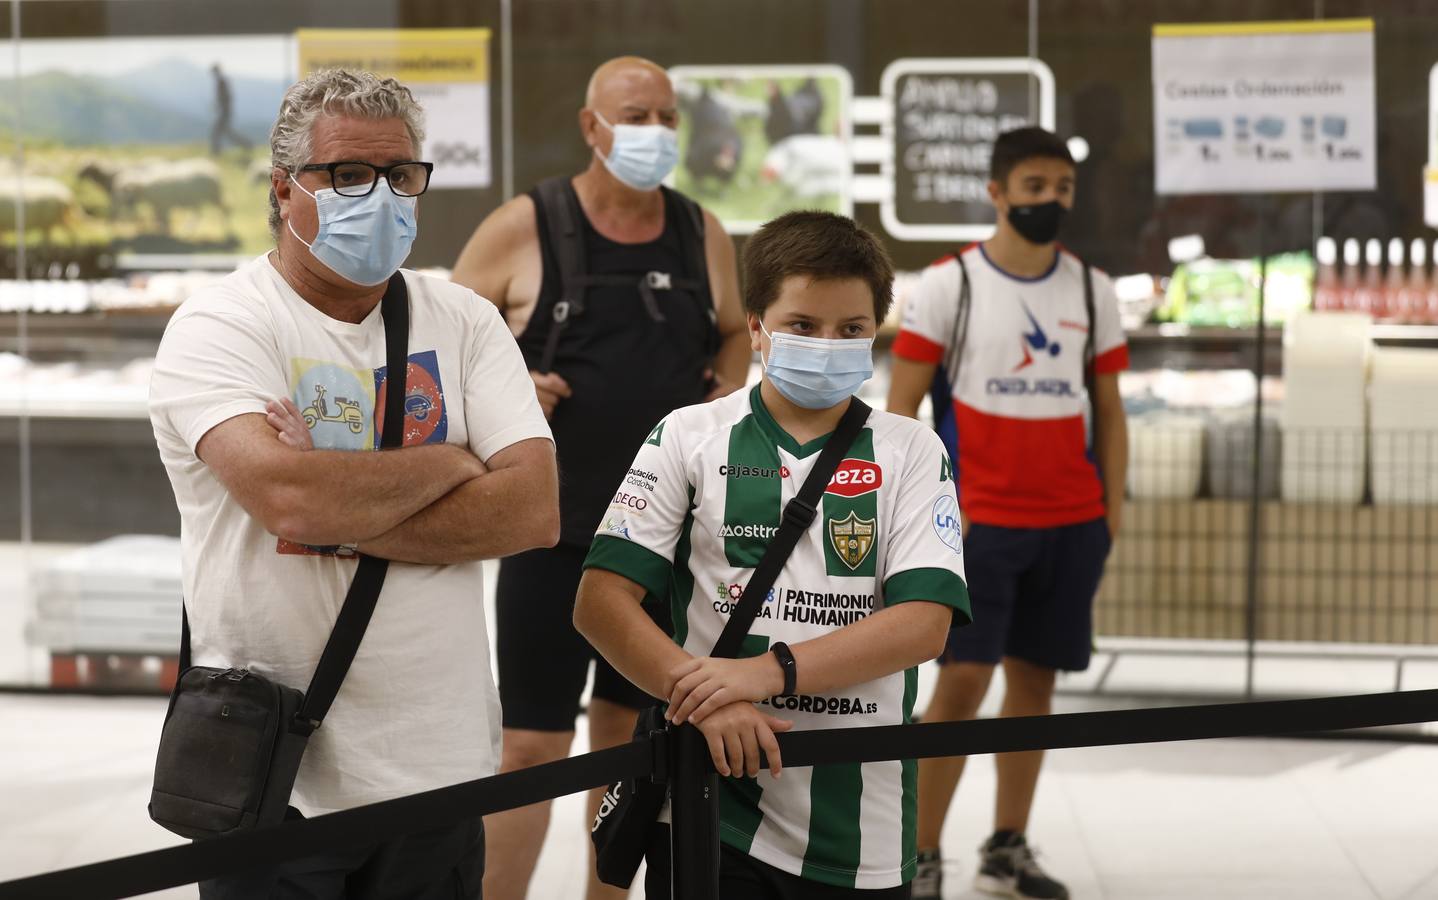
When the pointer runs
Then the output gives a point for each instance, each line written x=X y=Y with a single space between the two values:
x=759 y=141
x=149 y=146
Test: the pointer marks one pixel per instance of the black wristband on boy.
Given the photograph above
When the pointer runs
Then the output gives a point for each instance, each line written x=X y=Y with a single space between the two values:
x=785 y=656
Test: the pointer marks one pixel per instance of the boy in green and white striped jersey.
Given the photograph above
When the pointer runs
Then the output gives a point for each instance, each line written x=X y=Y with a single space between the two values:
x=869 y=592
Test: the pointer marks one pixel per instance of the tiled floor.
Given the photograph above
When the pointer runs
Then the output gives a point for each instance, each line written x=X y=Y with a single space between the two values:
x=1253 y=819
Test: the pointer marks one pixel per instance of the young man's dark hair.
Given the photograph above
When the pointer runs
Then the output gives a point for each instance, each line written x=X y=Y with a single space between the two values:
x=820 y=245
x=1013 y=147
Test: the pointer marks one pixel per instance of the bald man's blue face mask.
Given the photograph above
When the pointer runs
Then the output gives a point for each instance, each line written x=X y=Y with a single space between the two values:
x=642 y=155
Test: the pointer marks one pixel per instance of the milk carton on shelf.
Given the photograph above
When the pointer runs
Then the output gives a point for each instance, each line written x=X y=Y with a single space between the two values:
x=1324 y=421
x=1403 y=398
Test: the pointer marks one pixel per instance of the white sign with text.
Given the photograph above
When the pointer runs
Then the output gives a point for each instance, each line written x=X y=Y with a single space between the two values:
x=1264 y=107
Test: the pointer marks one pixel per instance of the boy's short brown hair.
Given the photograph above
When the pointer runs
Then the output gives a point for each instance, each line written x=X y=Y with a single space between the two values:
x=817 y=245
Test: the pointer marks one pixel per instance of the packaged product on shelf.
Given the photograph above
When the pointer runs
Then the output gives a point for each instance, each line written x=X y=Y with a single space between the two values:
x=1165 y=456
x=1223 y=293
x=109 y=613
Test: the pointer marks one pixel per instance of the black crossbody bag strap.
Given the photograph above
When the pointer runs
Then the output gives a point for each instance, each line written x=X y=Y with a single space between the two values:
x=799 y=514
x=364 y=591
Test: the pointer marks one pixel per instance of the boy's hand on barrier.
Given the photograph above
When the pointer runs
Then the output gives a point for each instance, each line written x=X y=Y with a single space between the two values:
x=284 y=417
x=704 y=685
x=737 y=733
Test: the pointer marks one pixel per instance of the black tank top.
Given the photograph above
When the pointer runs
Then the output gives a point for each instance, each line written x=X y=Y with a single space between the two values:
x=627 y=371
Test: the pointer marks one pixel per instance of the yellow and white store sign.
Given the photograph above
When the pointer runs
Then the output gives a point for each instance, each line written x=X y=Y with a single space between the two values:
x=1260 y=107
x=448 y=71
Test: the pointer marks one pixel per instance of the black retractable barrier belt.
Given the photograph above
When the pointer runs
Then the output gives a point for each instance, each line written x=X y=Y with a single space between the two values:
x=1097 y=729
x=162 y=869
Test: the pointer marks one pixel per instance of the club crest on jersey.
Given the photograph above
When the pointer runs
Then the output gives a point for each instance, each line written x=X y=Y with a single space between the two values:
x=852 y=539
x=854 y=478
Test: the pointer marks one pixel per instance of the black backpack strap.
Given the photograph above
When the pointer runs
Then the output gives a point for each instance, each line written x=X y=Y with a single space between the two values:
x=961 y=321
x=562 y=216
x=799 y=514
x=364 y=591
x=1088 y=344
x=1090 y=374
x=691 y=233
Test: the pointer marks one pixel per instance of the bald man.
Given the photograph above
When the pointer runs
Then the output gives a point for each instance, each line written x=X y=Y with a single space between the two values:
x=624 y=298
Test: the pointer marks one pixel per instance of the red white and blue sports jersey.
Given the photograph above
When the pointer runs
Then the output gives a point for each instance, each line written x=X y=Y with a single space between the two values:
x=1014 y=417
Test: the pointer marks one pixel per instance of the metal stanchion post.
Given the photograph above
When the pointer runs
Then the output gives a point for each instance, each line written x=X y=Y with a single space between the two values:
x=694 y=835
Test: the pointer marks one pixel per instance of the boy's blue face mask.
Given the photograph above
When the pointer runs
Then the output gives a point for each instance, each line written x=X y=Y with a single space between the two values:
x=362 y=239
x=817 y=373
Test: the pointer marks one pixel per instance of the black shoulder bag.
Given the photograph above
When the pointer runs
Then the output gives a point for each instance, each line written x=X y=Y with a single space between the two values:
x=627 y=814
x=233 y=739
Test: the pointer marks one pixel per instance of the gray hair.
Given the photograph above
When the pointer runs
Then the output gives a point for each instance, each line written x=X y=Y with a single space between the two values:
x=334 y=92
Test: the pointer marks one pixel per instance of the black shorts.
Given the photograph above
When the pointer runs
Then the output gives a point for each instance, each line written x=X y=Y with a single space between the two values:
x=1032 y=592
x=543 y=660
x=741 y=875
x=444 y=864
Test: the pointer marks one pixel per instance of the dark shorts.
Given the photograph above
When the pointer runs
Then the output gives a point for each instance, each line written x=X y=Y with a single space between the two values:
x=1032 y=591
x=543 y=660
x=444 y=864
x=741 y=875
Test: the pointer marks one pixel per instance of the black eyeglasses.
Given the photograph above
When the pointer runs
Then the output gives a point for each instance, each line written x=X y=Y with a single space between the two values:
x=357 y=179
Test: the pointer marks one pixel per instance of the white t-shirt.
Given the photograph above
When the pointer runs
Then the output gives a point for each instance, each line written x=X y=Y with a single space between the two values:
x=418 y=709
x=1018 y=402
x=691 y=521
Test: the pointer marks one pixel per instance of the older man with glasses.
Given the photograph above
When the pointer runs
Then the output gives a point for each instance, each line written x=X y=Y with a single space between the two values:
x=266 y=402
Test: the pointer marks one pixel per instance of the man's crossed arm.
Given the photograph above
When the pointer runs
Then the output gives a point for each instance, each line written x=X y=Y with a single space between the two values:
x=434 y=504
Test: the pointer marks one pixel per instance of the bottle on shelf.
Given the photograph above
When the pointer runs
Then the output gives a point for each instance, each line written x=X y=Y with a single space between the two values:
x=1415 y=293
x=1325 y=282
x=1370 y=288
x=1348 y=290
x=1429 y=315
x=1392 y=298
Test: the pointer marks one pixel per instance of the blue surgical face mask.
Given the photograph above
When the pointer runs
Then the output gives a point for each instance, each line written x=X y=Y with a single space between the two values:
x=362 y=239
x=817 y=373
x=642 y=155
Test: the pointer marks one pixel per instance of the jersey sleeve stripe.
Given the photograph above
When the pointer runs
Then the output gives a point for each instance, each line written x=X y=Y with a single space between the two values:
x=1115 y=360
x=912 y=346
x=934 y=585
x=634 y=561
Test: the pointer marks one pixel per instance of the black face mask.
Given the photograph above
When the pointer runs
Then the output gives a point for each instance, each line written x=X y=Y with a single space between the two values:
x=1038 y=223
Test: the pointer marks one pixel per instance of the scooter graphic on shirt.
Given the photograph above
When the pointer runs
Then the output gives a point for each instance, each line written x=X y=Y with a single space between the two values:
x=347 y=413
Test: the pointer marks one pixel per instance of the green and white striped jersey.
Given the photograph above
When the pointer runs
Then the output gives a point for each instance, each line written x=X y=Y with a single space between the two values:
x=692 y=520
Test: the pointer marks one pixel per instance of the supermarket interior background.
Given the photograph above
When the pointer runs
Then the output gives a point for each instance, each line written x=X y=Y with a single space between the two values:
x=1282 y=520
